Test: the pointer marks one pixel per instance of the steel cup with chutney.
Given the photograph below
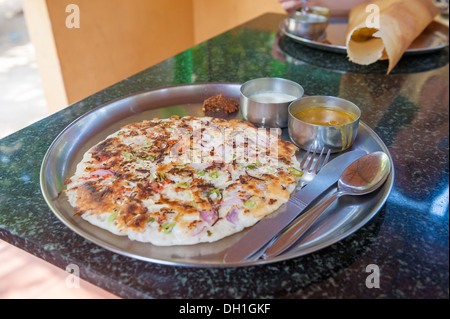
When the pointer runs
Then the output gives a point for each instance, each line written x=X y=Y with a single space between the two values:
x=265 y=101
x=317 y=122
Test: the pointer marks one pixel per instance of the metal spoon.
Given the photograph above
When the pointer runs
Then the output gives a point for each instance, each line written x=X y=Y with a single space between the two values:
x=363 y=176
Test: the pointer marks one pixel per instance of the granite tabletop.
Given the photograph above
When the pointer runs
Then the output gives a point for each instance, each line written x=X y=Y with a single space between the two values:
x=407 y=241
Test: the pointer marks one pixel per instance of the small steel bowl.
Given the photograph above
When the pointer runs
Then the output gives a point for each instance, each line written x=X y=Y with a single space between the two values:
x=312 y=136
x=265 y=101
x=307 y=25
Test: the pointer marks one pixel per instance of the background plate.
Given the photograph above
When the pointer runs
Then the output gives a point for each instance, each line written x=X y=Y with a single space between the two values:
x=345 y=217
x=433 y=38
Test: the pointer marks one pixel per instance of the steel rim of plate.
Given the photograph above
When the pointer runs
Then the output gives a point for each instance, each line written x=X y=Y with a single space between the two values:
x=198 y=263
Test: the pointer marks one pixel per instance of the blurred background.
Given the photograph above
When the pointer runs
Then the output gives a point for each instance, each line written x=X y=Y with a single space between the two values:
x=22 y=99
x=45 y=65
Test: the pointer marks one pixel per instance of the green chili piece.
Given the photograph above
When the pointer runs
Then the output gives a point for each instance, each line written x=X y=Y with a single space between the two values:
x=215 y=174
x=112 y=216
x=127 y=156
x=295 y=172
x=214 y=191
x=250 y=203
x=148 y=158
x=183 y=185
x=201 y=172
x=167 y=228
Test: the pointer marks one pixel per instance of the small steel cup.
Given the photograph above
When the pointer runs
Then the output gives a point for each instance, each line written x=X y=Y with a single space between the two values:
x=271 y=112
x=321 y=11
x=307 y=25
x=311 y=136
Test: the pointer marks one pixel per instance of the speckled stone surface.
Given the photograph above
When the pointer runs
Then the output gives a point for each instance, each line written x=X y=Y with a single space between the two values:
x=408 y=239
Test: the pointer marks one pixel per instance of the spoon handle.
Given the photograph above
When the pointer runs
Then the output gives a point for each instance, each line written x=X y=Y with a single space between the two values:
x=299 y=227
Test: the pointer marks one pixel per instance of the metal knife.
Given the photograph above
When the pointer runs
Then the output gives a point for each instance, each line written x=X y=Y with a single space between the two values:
x=264 y=231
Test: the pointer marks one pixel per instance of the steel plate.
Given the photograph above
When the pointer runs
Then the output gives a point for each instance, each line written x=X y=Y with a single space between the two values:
x=59 y=163
x=433 y=38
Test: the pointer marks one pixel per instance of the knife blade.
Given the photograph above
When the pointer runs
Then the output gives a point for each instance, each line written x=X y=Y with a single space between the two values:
x=264 y=231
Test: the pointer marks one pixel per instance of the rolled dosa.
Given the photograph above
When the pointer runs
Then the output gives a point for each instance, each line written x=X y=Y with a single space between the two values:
x=400 y=22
